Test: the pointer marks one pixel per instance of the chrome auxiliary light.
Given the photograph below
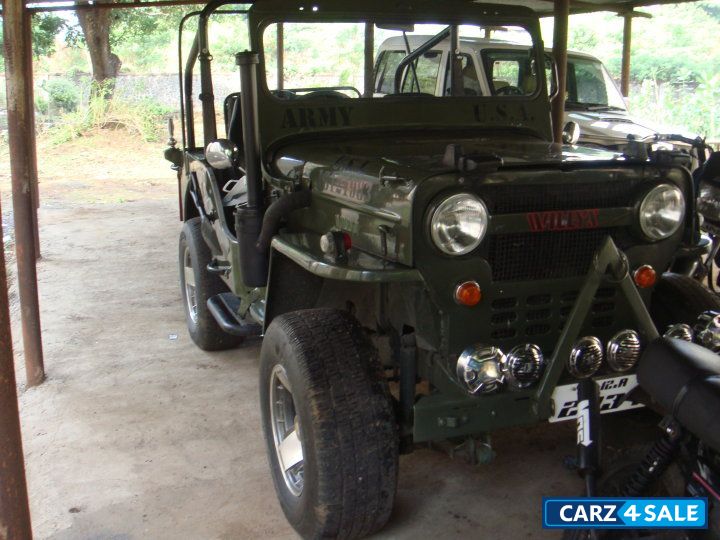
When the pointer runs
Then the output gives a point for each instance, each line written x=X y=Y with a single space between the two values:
x=623 y=350
x=707 y=330
x=523 y=366
x=680 y=331
x=478 y=368
x=586 y=357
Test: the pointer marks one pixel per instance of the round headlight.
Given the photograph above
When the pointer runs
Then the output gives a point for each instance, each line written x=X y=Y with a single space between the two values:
x=623 y=350
x=680 y=331
x=586 y=357
x=662 y=212
x=478 y=368
x=459 y=224
x=708 y=201
x=523 y=366
x=707 y=330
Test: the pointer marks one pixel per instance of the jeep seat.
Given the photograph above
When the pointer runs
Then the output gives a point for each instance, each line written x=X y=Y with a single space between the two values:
x=684 y=378
x=233 y=118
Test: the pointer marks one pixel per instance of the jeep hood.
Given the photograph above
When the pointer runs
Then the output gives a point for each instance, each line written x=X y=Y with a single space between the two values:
x=609 y=128
x=423 y=155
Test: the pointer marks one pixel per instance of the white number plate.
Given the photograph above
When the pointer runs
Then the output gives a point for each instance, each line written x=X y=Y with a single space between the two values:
x=612 y=392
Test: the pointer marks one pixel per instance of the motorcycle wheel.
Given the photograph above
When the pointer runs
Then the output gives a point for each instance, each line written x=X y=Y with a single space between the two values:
x=611 y=484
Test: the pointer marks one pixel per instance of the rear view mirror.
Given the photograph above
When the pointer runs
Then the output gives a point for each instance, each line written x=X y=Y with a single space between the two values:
x=397 y=27
x=222 y=154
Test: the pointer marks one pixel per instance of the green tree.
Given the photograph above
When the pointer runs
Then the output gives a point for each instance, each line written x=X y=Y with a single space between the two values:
x=45 y=27
x=102 y=30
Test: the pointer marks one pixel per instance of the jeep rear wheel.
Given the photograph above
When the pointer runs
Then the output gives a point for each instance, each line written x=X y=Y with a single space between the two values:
x=197 y=285
x=680 y=299
x=328 y=423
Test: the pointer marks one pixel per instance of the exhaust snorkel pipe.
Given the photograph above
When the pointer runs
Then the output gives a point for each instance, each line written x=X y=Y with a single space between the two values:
x=248 y=219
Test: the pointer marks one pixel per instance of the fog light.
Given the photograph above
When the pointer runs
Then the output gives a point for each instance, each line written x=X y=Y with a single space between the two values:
x=478 y=368
x=585 y=357
x=468 y=293
x=523 y=366
x=645 y=276
x=623 y=350
x=679 y=331
x=707 y=330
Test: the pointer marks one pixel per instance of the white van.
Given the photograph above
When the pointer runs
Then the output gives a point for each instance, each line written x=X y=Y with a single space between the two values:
x=503 y=67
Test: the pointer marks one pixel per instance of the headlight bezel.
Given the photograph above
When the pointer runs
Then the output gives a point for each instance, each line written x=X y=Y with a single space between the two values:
x=443 y=202
x=648 y=230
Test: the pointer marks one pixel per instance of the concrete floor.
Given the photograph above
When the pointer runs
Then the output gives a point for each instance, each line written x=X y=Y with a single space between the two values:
x=139 y=434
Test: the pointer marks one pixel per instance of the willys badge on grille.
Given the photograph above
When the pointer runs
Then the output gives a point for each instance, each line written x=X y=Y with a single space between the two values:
x=563 y=220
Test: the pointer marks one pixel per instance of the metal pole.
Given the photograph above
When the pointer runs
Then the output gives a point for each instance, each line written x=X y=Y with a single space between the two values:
x=369 y=88
x=560 y=37
x=22 y=164
x=280 y=56
x=627 y=42
x=31 y=133
x=14 y=507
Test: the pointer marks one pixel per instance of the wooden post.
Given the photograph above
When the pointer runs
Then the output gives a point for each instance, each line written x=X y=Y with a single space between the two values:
x=31 y=135
x=23 y=164
x=14 y=507
x=369 y=85
x=627 y=42
x=560 y=38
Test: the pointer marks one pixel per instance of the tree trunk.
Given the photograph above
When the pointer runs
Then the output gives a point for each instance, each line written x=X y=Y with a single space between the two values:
x=95 y=25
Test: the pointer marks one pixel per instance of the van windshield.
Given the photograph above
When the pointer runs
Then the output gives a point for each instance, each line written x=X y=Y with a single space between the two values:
x=327 y=59
x=590 y=87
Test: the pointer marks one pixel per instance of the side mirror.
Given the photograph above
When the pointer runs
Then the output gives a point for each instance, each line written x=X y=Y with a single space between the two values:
x=571 y=133
x=172 y=154
x=222 y=154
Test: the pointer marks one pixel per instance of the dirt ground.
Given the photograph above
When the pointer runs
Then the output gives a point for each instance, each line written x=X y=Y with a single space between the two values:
x=138 y=434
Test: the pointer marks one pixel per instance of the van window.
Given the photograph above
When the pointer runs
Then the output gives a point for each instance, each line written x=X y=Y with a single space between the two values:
x=470 y=77
x=387 y=64
x=423 y=78
x=510 y=72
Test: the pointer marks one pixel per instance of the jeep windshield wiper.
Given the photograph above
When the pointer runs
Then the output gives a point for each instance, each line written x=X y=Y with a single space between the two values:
x=591 y=106
x=604 y=108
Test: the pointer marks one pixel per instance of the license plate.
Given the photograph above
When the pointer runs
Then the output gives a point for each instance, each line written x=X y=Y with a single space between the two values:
x=612 y=392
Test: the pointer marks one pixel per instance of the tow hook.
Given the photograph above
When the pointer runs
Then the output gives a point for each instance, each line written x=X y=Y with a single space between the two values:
x=474 y=450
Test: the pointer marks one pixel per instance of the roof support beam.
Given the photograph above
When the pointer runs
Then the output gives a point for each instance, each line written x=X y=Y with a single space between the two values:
x=560 y=39
x=626 y=49
x=23 y=167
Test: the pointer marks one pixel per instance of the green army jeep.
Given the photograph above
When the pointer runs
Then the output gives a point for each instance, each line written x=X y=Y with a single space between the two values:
x=421 y=267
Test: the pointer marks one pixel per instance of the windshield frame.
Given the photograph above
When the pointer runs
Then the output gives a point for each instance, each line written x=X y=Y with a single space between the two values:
x=526 y=113
x=318 y=17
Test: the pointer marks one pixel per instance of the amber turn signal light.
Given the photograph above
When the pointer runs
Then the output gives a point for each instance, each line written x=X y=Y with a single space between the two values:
x=645 y=276
x=468 y=293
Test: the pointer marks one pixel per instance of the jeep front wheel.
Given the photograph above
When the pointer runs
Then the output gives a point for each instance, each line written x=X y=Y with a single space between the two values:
x=328 y=423
x=197 y=285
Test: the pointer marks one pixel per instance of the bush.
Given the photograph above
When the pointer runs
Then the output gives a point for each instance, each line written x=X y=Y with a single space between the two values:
x=63 y=94
x=142 y=118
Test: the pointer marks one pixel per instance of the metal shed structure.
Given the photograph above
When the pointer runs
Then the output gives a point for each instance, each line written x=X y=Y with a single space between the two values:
x=17 y=16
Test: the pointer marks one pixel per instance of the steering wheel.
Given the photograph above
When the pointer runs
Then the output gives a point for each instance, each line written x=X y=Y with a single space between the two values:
x=325 y=94
x=509 y=91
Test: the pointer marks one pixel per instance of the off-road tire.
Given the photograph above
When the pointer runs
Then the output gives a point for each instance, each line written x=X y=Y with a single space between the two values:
x=204 y=330
x=680 y=299
x=347 y=428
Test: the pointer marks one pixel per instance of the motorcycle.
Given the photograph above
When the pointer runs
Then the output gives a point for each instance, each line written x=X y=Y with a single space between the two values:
x=707 y=187
x=680 y=379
